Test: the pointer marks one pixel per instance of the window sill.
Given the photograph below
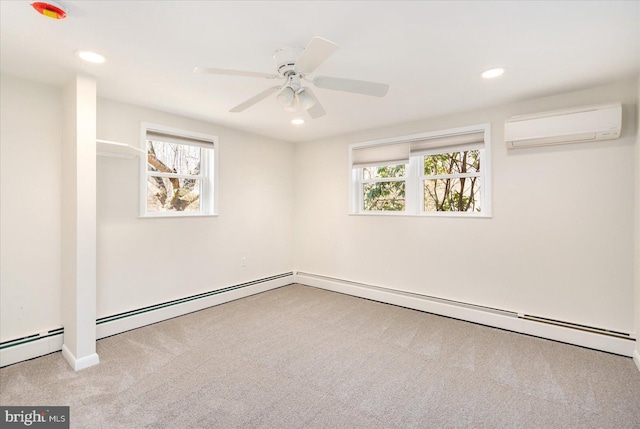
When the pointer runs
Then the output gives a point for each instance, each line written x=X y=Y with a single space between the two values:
x=178 y=216
x=429 y=215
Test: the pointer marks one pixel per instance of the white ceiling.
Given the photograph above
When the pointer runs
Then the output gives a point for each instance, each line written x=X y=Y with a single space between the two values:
x=430 y=53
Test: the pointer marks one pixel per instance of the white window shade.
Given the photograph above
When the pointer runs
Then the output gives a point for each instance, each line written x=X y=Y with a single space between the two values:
x=388 y=154
x=178 y=139
x=450 y=143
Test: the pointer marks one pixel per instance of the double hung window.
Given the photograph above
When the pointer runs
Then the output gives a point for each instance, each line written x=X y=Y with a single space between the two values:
x=382 y=172
x=439 y=173
x=178 y=172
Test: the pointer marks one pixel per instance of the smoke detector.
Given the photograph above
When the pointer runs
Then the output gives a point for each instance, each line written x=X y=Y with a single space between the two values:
x=50 y=9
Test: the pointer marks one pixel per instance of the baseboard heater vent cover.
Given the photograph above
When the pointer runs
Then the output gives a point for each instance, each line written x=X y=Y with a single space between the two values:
x=31 y=338
x=578 y=327
x=430 y=298
x=40 y=344
x=142 y=310
x=611 y=341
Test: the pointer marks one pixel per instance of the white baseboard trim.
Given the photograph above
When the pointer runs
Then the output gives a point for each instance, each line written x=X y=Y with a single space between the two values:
x=490 y=317
x=39 y=345
x=79 y=363
x=636 y=355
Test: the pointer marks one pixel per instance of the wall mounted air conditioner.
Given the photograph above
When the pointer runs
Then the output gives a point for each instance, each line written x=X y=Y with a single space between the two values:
x=583 y=124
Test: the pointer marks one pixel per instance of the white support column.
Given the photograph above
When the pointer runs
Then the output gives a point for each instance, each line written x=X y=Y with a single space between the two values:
x=79 y=222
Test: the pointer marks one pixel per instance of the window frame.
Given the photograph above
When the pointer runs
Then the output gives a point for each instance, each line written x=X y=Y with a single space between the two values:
x=414 y=176
x=208 y=172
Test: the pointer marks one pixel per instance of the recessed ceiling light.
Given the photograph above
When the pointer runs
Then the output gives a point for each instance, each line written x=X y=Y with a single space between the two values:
x=91 y=57
x=297 y=121
x=491 y=73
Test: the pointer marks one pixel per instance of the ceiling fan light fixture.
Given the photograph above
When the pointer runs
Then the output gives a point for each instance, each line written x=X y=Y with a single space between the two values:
x=286 y=98
x=306 y=99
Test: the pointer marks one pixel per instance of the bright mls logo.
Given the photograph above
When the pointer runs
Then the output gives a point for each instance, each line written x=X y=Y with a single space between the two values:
x=34 y=417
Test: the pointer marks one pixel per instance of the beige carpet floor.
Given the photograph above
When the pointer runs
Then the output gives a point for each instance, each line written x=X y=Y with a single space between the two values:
x=300 y=357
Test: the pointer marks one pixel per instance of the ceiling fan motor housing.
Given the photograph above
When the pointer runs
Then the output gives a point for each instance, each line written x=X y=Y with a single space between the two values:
x=285 y=60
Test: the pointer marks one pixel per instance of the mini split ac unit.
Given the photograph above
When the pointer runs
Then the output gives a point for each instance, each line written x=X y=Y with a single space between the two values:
x=584 y=124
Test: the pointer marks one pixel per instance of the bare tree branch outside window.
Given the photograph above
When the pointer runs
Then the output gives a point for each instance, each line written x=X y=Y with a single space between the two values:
x=452 y=194
x=175 y=190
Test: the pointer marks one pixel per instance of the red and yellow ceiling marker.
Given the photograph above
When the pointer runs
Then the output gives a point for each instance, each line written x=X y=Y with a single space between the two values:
x=50 y=9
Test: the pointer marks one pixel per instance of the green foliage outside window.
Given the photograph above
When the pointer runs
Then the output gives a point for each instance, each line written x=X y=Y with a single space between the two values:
x=441 y=193
x=384 y=196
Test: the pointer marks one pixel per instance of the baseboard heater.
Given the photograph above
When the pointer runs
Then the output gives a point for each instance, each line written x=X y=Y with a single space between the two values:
x=142 y=310
x=587 y=336
x=578 y=327
x=39 y=344
x=31 y=338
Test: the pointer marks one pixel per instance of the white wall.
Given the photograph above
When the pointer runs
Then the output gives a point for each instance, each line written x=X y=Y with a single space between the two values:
x=144 y=261
x=559 y=244
x=140 y=262
x=30 y=199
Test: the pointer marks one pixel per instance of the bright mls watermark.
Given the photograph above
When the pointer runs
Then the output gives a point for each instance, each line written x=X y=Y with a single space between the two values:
x=34 y=417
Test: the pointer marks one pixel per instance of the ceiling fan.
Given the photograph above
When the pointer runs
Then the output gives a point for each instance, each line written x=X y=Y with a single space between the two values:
x=292 y=66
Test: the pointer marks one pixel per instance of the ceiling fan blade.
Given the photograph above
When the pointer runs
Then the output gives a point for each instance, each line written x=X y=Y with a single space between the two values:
x=256 y=98
x=350 y=85
x=316 y=110
x=211 y=70
x=316 y=52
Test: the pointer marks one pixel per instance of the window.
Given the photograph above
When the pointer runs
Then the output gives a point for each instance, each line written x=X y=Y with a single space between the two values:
x=384 y=188
x=178 y=172
x=439 y=173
